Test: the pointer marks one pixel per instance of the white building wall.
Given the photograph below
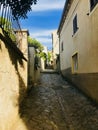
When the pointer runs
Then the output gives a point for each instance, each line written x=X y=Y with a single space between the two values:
x=55 y=44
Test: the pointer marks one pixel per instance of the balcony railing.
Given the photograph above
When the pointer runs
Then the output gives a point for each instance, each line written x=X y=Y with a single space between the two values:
x=8 y=22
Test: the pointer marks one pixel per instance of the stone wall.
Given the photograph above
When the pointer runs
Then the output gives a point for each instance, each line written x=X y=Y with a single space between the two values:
x=13 y=81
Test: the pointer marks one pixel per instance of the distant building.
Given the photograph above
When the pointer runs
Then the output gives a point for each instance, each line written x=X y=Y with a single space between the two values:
x=51 y=58
x=45 y=50
x=22 y=40
x=55 y=49
x=78 y=33
x=43 y=59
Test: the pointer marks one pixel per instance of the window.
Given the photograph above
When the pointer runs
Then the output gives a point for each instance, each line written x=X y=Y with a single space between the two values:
x=62 y=46
x=75 y=28
x=75 y=63
x=93 y=3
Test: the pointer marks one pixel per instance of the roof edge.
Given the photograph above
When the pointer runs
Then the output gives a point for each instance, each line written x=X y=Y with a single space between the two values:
x=64 y=14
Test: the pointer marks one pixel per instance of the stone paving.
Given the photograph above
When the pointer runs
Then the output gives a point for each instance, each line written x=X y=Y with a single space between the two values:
x=54 y=104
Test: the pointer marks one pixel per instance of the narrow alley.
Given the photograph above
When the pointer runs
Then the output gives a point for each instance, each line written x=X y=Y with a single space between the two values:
x=54 y=104
x=39 y=39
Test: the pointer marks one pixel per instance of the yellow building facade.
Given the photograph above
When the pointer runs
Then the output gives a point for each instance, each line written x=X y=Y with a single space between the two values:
x=78 y=33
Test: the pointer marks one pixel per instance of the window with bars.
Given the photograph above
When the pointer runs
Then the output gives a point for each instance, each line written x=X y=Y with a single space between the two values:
x=75 y=27
x=93 y=3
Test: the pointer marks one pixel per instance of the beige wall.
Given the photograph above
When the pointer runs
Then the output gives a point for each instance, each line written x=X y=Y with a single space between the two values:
x=23 y=41
x=84 y=42
x=13 y=84
x=34 y=75
x=55 y=42
x=84 y=45
x=31 y=65
x=55 y=45
x=42 y=64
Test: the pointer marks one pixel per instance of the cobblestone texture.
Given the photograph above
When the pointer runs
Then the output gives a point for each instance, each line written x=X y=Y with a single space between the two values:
x=54 y=104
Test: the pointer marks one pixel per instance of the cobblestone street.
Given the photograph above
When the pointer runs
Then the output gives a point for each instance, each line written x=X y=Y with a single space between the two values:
x=54 y=104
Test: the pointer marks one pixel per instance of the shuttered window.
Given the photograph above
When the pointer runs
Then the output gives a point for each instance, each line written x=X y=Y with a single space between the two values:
x=75 y=28
x=62 y=46
x=93 y=3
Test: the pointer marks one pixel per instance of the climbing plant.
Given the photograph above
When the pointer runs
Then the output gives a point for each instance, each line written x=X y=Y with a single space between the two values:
x=36 y=44
x=5 y=23
x=49 y=57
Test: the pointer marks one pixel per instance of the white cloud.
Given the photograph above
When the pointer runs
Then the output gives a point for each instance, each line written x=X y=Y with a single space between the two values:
x=46 y=42
x=41 y=32
x=43 y=36
x=43 y=5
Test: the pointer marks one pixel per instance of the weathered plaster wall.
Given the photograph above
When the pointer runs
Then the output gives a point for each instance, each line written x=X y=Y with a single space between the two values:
x=31 y=65
x=34 y=75
x=13 y=84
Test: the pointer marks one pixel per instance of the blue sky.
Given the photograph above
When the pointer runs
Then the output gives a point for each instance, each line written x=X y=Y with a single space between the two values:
x=43 y=20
